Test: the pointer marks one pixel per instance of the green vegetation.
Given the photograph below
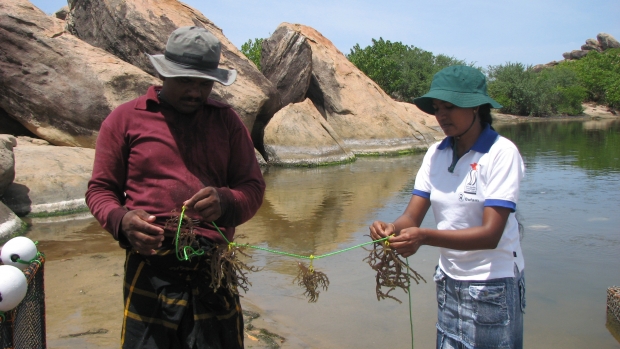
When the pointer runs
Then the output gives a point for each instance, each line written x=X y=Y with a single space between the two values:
x=252 y=50
x=599 y=74
x=522 y=91
x=403 y=72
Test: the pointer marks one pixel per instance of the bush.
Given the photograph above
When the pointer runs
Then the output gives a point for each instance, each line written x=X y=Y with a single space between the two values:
x=521 y=91
x=252 y=50
x=599 y=75
x=403 y=72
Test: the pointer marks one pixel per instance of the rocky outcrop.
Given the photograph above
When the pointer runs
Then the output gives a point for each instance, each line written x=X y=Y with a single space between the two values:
x=299 y=135
x=286 y=60
x=367 y=120
x=56 y=85
x=7 y=161
x=60 y=188
x=130 y=28
x=602 y=42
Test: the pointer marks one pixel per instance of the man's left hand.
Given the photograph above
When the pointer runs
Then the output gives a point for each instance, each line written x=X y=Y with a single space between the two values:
x=207 y=203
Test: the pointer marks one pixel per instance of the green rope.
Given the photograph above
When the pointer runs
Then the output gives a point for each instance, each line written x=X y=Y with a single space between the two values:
x=410 y=314
x=188 y=251
x=311 y=257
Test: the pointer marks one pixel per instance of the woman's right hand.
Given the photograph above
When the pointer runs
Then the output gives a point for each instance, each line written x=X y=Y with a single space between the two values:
x=379 y=230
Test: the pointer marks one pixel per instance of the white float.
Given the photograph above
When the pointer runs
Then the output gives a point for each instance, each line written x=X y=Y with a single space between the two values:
x=19 y=247
x=13 y=287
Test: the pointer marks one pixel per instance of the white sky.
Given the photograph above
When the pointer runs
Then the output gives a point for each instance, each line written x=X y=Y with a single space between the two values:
x=486 y=32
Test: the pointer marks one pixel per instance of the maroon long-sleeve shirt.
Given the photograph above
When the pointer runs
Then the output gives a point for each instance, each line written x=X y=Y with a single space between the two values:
x=150 y=157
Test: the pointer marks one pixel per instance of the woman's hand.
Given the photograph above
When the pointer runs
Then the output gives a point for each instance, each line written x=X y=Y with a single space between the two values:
x=408 y=241
x=379 y=230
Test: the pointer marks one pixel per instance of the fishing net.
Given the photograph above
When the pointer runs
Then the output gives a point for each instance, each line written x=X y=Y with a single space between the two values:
x=613 y=311
x=24 y=326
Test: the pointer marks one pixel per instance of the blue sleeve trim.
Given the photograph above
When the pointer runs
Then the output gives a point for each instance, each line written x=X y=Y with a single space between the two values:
x=421 y=193
x=501 y=203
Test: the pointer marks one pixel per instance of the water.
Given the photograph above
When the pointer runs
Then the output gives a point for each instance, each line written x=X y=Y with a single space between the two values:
x=569 y=206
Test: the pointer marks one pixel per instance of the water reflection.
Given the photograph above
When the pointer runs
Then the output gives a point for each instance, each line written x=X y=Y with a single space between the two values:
x=318 y=210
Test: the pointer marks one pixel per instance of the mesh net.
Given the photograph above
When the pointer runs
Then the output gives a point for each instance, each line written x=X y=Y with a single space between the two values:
x=24 y=326
x=613 y=312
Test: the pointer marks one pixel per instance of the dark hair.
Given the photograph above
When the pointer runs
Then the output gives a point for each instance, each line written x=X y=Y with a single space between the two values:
x=484 y=111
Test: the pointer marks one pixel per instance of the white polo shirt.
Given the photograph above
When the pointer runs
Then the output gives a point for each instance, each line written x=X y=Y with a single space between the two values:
x=489 y=174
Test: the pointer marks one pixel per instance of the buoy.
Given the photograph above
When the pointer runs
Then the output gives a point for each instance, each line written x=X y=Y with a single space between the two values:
x=13 y=287
x=18 y=249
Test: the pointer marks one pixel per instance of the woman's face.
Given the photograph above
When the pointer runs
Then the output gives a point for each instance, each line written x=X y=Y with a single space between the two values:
x=453 y=120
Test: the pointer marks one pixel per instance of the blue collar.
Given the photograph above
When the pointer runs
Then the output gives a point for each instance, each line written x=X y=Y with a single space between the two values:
x=483 y=144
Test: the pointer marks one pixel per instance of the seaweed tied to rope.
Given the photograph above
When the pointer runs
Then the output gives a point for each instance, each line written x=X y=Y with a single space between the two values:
x=392 y=271
x=227 y=269
x=311 y=280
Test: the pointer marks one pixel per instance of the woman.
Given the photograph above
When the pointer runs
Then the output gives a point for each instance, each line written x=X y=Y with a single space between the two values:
x=471 y=179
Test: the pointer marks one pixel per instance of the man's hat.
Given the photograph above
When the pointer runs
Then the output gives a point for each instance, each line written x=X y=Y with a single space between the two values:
x=463 y=86
x=192 y=52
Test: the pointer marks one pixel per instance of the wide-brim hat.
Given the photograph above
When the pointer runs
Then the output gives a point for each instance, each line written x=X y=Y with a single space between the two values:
x=463 y=86
x=192 y=52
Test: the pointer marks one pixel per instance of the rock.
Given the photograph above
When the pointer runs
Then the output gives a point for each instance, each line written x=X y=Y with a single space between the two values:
x=131 y=28
x=566 y=55
x=578 y=54
x=56 y=85
x=607 y=41
x=62 y=13
x=8 y=125
x=286 y=60
x=7 y=161
x=298 y=135
x=58 y=189
x=366 y=118
x=588 y=47
x=10 y=224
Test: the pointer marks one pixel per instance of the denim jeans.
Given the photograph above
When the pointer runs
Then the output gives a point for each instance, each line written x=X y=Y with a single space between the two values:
x=480 y=314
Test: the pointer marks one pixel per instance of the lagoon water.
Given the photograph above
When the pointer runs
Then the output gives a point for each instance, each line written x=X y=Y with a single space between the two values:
x=569 y=206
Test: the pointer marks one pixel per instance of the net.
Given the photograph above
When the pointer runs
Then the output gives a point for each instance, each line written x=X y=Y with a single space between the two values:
x=24 y=326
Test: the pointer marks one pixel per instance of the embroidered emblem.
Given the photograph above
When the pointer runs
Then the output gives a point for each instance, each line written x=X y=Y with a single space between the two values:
x=471 y=185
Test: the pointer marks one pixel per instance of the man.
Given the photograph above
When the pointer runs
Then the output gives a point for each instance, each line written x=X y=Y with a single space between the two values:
x=169 y=149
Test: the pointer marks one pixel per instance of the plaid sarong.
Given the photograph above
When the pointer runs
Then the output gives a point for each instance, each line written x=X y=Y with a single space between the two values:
x=170 y=304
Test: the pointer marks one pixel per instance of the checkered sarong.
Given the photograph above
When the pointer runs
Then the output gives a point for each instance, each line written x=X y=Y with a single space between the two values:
x=169 y=304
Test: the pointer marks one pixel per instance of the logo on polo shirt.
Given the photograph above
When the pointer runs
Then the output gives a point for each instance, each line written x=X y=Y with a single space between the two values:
x=471 y=186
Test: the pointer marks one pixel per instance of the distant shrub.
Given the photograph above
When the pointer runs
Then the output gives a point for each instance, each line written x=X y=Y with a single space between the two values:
x=252 y=50
x=599 y=75
x=521 y=91
x=403 y=72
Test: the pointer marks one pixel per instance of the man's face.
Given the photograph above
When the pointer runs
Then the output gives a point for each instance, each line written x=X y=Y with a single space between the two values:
x=186 y=95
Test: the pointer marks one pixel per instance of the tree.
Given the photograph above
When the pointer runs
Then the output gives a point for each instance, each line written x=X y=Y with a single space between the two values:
x=252 y=50
x=403 y=72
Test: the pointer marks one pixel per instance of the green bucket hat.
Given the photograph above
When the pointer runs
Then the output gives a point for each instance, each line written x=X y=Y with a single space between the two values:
x=463 y=86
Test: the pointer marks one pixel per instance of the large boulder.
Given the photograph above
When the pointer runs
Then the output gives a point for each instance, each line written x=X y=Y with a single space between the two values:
x=286 y=60
x=298 y=135
x=10 y=224
x=7 y=161
x=366 y=118
x=607 y=41
x=59 y=188
x=56 y=85
x=131 y=28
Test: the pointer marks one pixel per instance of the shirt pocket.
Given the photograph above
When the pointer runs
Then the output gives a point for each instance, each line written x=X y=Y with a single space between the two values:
x=489 y=304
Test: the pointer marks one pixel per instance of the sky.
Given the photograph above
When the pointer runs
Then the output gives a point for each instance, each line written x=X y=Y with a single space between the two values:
x=483 y=32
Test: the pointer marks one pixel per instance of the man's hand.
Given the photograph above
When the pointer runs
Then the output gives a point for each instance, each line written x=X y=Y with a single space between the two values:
x=142 y=235
x=207 y=203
